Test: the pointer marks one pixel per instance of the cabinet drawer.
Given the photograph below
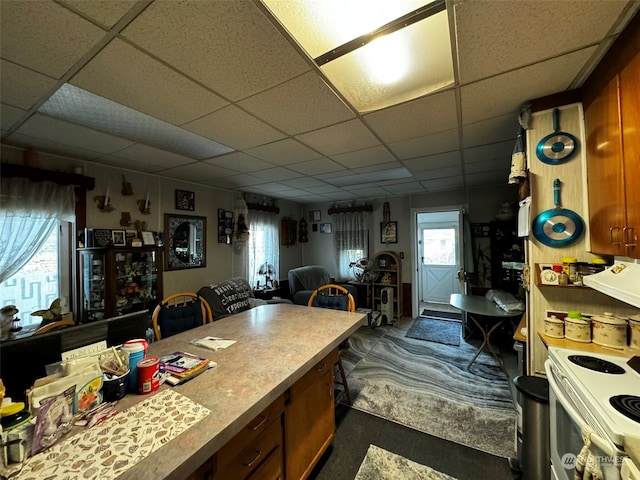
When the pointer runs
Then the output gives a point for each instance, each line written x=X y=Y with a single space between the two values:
x=253 y=455
x=249 y=433
x=271 y=469
x=317 y=372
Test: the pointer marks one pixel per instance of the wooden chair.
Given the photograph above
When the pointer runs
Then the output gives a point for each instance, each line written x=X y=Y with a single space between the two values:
x=335 y=297
x=179 y=312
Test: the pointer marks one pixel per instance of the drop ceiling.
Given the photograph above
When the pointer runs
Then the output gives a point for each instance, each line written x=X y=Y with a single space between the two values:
x=226 y=71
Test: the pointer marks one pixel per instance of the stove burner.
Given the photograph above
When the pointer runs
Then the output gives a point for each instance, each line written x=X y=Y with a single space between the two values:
x=628 y=405
x=597 y=364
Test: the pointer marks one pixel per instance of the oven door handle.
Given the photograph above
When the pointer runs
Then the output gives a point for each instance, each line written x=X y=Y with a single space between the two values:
x=607 y=447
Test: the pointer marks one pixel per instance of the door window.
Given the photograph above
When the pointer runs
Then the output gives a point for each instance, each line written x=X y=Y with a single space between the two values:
x=439 y=246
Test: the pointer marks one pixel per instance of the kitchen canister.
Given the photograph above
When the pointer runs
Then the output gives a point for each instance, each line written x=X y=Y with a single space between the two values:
x=634 y=331
x=148 y=375
x=136 y=350
x=609 y=330
x=554 y=327
x=577 y=327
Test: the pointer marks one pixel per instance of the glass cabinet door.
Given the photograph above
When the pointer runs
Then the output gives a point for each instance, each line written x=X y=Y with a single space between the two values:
x=92 y=263
x=136 y=280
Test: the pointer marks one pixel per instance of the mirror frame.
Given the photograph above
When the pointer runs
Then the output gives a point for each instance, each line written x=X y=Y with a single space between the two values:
x=171 y=223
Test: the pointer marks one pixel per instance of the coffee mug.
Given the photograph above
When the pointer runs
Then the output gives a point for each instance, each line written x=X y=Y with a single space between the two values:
x=114 y=388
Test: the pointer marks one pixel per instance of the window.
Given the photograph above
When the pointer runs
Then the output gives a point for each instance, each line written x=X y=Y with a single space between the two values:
x=351 y=241
x=35 y=245
x=264 y=248
x=38 y=283
x=439 y=246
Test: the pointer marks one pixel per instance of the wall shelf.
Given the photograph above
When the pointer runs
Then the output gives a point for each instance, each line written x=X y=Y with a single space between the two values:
x=538 y=281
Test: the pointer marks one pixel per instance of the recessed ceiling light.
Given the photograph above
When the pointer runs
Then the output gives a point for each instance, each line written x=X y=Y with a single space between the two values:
x=85 y=108
x=376 y=53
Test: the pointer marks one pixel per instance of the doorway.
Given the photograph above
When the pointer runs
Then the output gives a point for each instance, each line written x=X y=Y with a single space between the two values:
x=439 y=258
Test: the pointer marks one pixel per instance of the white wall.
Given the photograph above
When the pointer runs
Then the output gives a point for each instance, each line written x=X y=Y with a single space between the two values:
x=221 y=259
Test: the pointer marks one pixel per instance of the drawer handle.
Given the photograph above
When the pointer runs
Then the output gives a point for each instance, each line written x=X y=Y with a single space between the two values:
x=611 y=229
x=626 y=237
x=321 y=367
x=259 y=424
x=252 y=461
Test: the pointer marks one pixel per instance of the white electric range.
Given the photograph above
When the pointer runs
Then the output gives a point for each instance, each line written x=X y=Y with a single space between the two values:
x=599 y=391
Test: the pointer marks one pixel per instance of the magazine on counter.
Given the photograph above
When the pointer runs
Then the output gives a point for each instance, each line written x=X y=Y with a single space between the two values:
x=182 y=364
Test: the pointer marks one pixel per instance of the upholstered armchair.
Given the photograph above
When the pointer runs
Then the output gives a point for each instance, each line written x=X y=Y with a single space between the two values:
x=304 y=280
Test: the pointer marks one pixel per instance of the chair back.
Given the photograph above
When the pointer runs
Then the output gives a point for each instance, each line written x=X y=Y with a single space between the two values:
x=332 y=296
x=180 y=312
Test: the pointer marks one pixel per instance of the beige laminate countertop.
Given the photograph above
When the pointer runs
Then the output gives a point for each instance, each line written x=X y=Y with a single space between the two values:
x=276 y=345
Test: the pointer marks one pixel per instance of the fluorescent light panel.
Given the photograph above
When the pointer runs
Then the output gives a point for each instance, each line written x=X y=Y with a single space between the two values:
x=85 y=108
x=390 y=69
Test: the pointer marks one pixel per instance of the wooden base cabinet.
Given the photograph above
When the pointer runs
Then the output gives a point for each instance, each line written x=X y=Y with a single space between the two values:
x=309 y=419
x=257 y=448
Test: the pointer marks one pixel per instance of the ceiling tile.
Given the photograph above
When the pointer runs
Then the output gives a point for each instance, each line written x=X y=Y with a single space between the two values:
x=444 y=172
x=496 y=177
x=431 y=162
x=70 y=134
x=10 y=115
x=196 y=172
x=234 y=128
x=149 y=86
x=305 y=182
x=22 y=87
x=491 y=130
x=277 y=174
x=344 y=137
x=427 y=145
x=416 y=118
x=232 y=47
x=239 y=161
x=366 y=157
x=45 y=36
x=405 y=188
x=154 y=156
x=338 y=196
x=324 y=188
x=507 y=93
x=488 y=166
x=125 y=163
x=47 y=145
x=300 y=105
x=294 y=193
x=284 y=152
x=106 y=13
x=443 y=184
x=274 y=188
x=530 y=31
x=235 y=181
x=489 y=152
x=317 y=167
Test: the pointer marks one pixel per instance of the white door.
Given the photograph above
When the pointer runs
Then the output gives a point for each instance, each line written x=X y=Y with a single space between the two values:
x=439 y=260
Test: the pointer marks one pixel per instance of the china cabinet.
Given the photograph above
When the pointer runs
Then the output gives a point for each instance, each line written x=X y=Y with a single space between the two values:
x=115 y=281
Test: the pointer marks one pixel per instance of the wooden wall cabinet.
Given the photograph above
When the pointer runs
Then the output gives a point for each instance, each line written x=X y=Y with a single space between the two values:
x=310 y=419
x=288 y=232
x=390 y=265
x=612 y=123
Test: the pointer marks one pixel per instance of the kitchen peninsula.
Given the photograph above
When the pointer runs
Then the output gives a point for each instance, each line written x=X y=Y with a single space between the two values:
x=270 y=396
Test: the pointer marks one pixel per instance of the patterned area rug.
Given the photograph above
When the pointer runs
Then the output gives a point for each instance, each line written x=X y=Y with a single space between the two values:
x=436 y=330
x=379 y=464
x=426 y=386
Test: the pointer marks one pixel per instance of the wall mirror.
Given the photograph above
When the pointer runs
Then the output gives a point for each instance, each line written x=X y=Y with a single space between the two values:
x=185 y=246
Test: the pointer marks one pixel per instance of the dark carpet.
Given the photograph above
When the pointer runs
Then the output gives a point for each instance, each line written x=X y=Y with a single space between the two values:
x=438 y=314
x=432 y=329
x=356 y=430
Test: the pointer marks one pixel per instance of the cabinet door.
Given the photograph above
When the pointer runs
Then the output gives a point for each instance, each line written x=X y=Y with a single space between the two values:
x=630 y=114
x=309 y=419
x=93 y=292
x=605 y=173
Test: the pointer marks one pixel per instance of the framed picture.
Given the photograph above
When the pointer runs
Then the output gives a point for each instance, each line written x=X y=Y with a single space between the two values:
x=325 y=228
x=389 y=234
x=148 y=238
x=314 y=215
x=185 y=200
x=119 y=239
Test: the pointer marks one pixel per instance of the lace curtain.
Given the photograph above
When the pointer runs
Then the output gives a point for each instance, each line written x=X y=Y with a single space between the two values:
x=264 y=247
x=30 y=211
x=351 y=241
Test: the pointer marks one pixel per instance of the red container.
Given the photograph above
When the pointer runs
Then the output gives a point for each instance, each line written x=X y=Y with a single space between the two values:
x=148 y=375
